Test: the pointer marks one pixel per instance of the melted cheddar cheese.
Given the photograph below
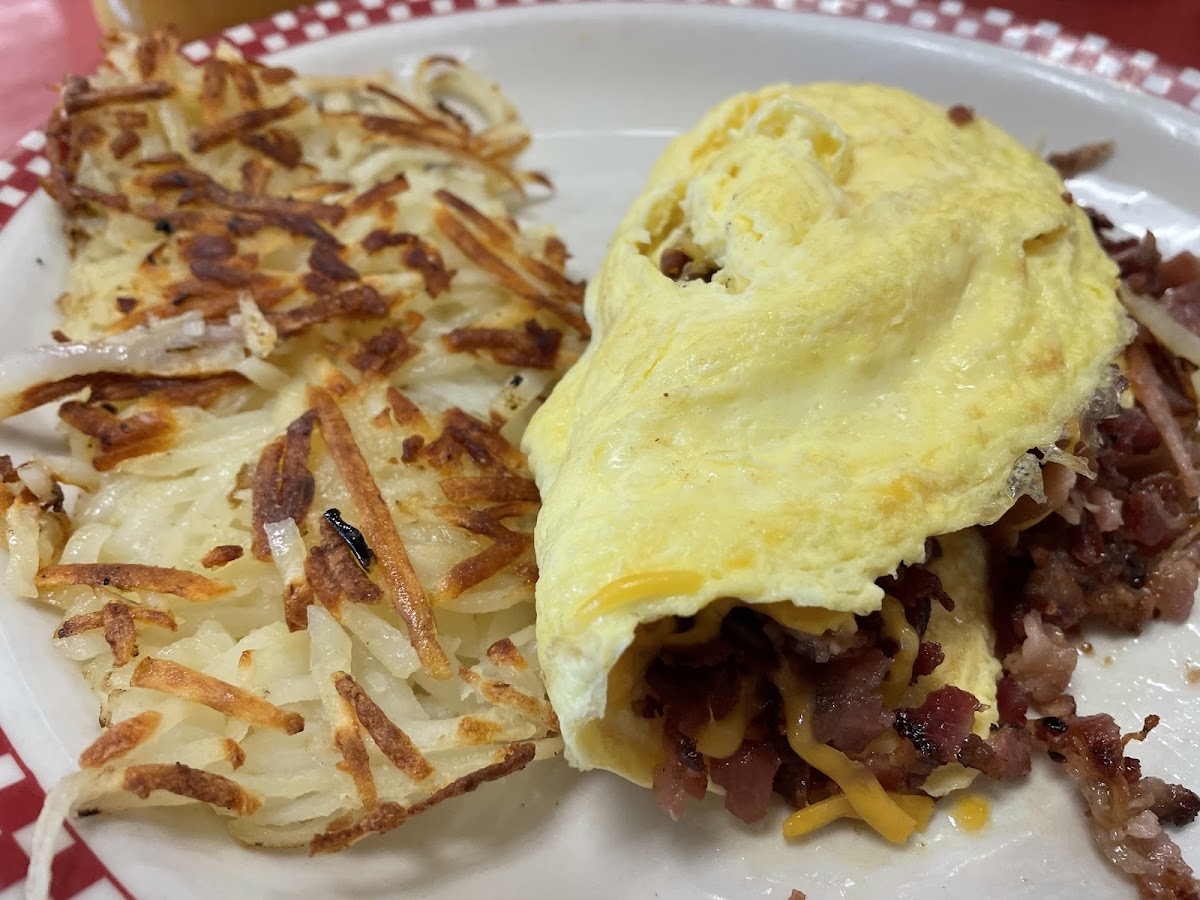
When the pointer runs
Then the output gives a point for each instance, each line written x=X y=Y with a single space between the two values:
x=861 y=789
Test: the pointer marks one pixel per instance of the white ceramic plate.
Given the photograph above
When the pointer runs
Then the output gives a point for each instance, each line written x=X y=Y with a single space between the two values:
x=604 y=86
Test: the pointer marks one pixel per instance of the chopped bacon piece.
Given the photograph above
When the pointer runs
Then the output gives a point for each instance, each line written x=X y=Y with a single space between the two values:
x=1012 y=703
x=961 y=115
x=917 y=588
x=940 y=725
x=1044 y=663
x=680 y=774
x=1005 y=753
x=1081 y=159
x=849 y=711
x=748 y=777
x=1173 y=803
x=1121 y=804
x=929 y=656
x=1150 y=391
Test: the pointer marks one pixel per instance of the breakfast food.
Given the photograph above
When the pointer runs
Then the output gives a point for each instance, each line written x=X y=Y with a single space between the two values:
x=290 y=542
x=841 y=329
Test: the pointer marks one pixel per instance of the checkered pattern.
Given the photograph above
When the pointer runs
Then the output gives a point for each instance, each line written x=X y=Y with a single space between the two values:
x=78 y=874
x=1141 y=70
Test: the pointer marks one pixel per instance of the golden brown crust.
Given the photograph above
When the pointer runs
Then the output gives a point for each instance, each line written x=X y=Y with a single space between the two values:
x=277 y=144
x=120 y=633
x=334 y=574
x=202 y=390
x=119 y=739
x=283 y=484
x=241 y=123
x=489 y=489
x=197 y=784
x=357 y=764
x=89 y=621
x=492 y=250
x=503 y=694
x=119 y=439
x=406 y=412
x=388 y=737
x=391 y=815
x=78 y=95
x=476 y=569
x=234 y=754
x=361 y=301
x=505 y=655
x=533 y=347
x=462 y=433
x=235 y=702
x=379 y=193
x=416 y=254
x=221 y=555
x=406 y=592
x=297 y=598
x=384 y=353
x=133 y=577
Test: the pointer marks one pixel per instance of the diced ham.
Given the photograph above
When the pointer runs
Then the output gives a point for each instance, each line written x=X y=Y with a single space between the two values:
x=1042 y=666
x=1121 y=804
x=1012 y=703
x=849 y=711
x=748 y=778
x=940 y=725
x=1149 y=389
x=929 y=656
x=1005 y=753
x=680 y=774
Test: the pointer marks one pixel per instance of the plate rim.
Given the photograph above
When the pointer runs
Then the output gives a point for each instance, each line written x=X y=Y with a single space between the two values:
x=25 y=163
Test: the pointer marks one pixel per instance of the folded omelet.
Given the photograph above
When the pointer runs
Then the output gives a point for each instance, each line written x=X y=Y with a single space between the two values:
x=834 y=324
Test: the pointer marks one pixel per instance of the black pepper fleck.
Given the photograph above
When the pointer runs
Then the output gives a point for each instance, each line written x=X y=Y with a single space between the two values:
x=352 y=536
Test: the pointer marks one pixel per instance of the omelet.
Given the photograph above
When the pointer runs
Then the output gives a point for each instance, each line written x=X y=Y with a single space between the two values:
x=834 y=324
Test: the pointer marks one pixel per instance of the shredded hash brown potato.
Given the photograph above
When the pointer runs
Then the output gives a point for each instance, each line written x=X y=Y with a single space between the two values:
x=291 y=544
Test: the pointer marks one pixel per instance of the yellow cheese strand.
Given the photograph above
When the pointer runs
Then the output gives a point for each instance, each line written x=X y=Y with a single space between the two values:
x=720 y=739
x=864 y=793
x=636 y=588
x=818 y=815
x=896 y=627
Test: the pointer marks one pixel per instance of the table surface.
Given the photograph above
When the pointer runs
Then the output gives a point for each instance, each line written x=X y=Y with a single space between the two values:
x=41 y=40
